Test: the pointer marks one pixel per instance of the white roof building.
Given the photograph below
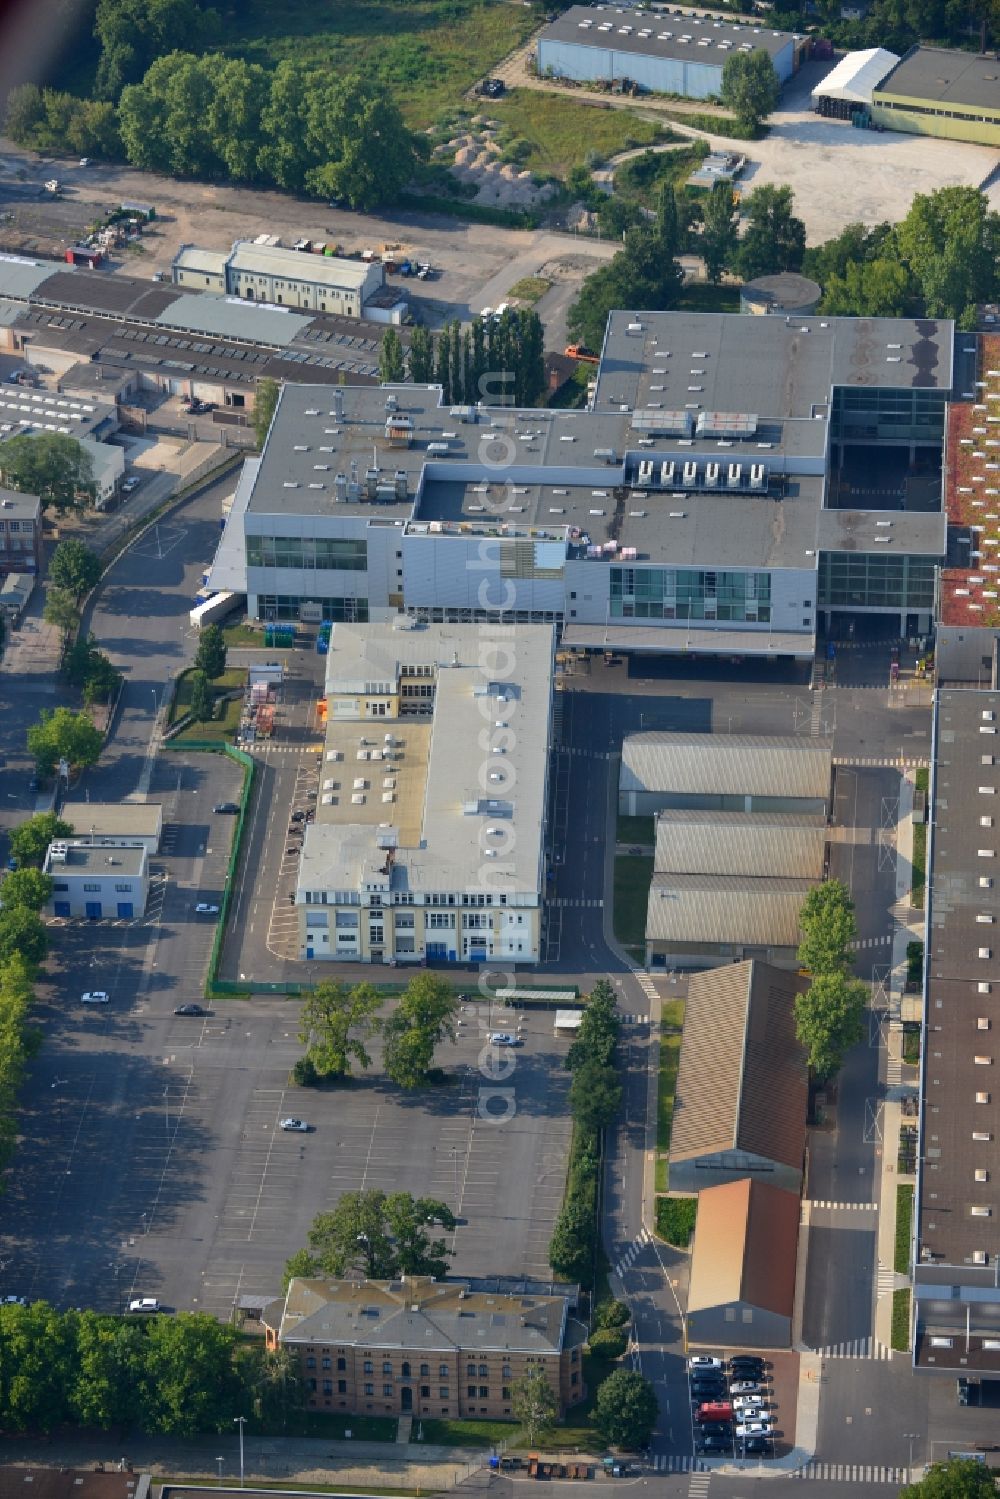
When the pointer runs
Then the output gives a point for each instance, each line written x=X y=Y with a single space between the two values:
x=856 y=75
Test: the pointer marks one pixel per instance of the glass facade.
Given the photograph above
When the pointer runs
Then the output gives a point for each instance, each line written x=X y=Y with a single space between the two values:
x=286 y=606
x=887 y=415
x=688 y=593
x=320 y=553
x=860 y=580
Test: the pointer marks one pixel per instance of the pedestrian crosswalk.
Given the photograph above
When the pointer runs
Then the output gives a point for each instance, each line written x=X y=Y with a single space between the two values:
x=894 y=1066
x=700 y=1480
x=844 y=1207
x=864 y=942
x=633 y=1019
x=664 y=1463
x=641 y=1239
x=886 y=1283
x=577 y=900
x=851 y=1473
x=872 y=762
x=857 y=1348
x=646 y=985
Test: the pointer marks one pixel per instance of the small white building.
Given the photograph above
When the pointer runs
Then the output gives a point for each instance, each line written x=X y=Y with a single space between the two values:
x=116 y=824
x=107 y=464
x=98 y=883
x=281 y=277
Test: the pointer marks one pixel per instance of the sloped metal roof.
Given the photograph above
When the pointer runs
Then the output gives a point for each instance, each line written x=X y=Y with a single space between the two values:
x=725 y=909
x=749 y=843
x=727 y=764
x=856 y=75
x=745 y=1247
x=741 y=1082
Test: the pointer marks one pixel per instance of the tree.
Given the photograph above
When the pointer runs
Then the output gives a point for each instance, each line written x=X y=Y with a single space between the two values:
x=187 y=1384
x=750 y=88
x=108 y=1358
x=38 y=1344
x=828 y=928
x=775 y=240
x=391 y=365
x=63 y=734
x=356 y=135
x=950 y=241
x=27 y=887
x=962 y=1478
x=855 y=244
x=75 y=568
x=265 y=400
x=30 y=840
x=640 y=276
x=25 y=113
x=829 y=1020
x=62 y=610
x=329 y=1016
x=54 y=467
x=240 y=92
x=134 y=33
x=595 y=1095
x=381 y=1236
x=425 y=1016
x=200 y=704
x=210 y=657
x=533 y=1403
x=165 y=119
x=571 y=1248
x=284 y=154
x=626 y=1409
x=720 y=232
x=597 y=1036
x=422 y=355
x=875 y=288
x=23 y=935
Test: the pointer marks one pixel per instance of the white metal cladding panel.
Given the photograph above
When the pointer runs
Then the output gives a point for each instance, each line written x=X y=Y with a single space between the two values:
x=726 y=765
x=784 y=61
x=307 y=583
x=740 y=846
x=451 y=572
x=730 y=910
x=697 y=79
x=793 y=598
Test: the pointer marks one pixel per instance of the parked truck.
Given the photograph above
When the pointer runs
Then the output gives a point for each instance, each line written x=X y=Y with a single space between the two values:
x=207 y=611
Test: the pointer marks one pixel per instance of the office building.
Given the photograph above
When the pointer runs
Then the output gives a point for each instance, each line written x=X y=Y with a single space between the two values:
x=283 y=277
x=20 y=531
x=97 y=882
x=942 y=92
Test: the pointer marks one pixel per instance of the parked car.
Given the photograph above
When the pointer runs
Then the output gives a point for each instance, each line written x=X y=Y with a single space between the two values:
x=298 y=815
x=759 y=1426
x=295 y=1126
x=715 y=1444
x=703 y=1361
x=14 y=1301
x=95 y=997
x=747 y=1361
x=85 y=161
x=35 y=783
x=716 y=1429
x=749 y=1403
x=204 y=909
x=746 y=1387
x=714 y=1410
x=503 y=1038
x=230 y=808
x=146 y=1304
x=190 y=1010
x=756 y=1446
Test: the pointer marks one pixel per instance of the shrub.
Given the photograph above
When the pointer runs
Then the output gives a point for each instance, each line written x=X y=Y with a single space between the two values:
x=613 y=1314
x=608 y=1342
x=675 y=1219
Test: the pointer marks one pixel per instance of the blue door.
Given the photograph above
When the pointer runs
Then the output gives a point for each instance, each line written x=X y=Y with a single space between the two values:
x=61 y=907
x=93 y=910
x=125 y=909
x=437 y=950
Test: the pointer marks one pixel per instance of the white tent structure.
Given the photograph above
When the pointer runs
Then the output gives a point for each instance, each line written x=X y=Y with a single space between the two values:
x=855 y=76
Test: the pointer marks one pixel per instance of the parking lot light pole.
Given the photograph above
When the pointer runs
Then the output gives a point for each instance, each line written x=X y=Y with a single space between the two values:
x=240 y=1421
x=220 y=1461
x=911 y=1437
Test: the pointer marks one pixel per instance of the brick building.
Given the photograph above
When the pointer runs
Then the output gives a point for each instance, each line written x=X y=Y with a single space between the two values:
x=20 y=533
x=428 y=1348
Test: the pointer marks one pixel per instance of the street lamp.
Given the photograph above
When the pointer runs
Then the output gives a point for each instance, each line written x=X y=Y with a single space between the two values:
x=911 y=1437
x=240 y=1421
x=220 y=1461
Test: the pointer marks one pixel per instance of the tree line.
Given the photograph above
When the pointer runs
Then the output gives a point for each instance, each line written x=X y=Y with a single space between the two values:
x=500 y=361
x=337 y=1022
x=594 y=1099
x=211 y=116
x=174 y=1376
x=829 y=1015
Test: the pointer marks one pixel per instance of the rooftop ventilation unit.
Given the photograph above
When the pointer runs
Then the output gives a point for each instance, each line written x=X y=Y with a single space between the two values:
x=727 y=424
x=758 y=476
x=734 y=477
x=711 y=475
x=690 y=475
x=645 y=473
x=664 y=423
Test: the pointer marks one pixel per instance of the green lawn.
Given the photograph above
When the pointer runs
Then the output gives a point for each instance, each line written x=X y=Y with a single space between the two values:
x=333 y=1426
x=670 y=1055
x=529 y=289
x=922 y=779
x=631 y=894
x=558 y=133
x=636 y=830
x=216 y=729
x=901 y=1321
x=919 y=863
x=721 y=124
x=244 y=634
x=904 y=1220
x=911 y=1045
x=427 y=52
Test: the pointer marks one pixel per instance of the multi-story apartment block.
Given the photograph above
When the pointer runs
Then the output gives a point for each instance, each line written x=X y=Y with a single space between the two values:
x=20 y=533
x=428 y=1348
x=429 y=834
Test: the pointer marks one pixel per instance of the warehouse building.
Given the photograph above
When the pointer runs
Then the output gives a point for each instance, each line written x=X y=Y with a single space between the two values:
x=660 y=52
x=956 y=1303
x=422 y=849
x=935 y=91
x=282 y=277
x=702 y=921
x=742 y=1287
x=752 y=843
x=403 y=1348
x=742 y=1083
x=724 y=773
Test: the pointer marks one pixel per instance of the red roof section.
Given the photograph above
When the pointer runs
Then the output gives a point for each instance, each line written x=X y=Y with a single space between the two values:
x=971 y=595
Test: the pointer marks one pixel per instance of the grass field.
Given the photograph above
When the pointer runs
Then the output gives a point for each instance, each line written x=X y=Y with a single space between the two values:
x=428 y=52
x=216 y=729
x=901 y=1321
x=558 y=133
x=720 y=124
x=632 y=879
x=636 y=829
x=670 y=1055
x=904 y=1220
x=640 y=179
x=529 y=289
x=919 y=862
